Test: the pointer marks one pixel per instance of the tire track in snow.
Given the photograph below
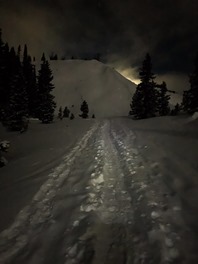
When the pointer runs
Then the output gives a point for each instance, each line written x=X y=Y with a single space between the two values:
x=115 y=210
x=121 y=221
x=119 y=228
x=115 y=201
x=150 y=204
x=38 y=212
x=109 y=208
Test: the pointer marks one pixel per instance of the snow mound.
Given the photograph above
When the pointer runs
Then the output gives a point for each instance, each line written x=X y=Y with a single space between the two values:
x=194 y=116
x=107 y=92
x=192 y=121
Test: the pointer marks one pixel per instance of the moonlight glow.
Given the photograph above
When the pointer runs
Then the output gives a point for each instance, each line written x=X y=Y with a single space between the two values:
x=129 y=74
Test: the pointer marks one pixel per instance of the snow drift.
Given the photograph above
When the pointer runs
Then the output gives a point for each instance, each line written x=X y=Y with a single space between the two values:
x=194 y=116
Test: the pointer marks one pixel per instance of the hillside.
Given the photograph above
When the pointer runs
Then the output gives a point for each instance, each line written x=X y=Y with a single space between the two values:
x=107 y=92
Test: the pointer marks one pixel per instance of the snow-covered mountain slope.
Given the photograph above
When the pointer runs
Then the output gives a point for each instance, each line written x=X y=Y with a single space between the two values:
x=106 y=91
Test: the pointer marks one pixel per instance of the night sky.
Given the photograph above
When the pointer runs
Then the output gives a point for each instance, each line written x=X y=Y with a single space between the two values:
x=122 y=31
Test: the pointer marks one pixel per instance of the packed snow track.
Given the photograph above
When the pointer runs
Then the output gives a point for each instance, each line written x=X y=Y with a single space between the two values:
x=103 y=204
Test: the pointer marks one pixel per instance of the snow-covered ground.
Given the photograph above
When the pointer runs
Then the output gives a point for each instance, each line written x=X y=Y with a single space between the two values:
x=31 y=156
x=101 y=191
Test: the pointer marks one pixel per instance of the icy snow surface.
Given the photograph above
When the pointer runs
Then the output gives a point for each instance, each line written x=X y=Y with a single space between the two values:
x=101 y=191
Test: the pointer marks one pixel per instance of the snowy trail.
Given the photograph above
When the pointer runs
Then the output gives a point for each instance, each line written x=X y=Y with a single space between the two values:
x=127 y=223
x=110 y=204
x=104 y=204
x=29 y=221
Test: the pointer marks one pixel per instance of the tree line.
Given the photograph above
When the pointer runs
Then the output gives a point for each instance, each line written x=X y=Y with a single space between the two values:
x=66 y=113
x=151 y=99
x=23 y=93
x=97 y=56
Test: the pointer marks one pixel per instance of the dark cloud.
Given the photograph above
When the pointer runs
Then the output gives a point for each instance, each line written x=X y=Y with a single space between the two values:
x=121 y=30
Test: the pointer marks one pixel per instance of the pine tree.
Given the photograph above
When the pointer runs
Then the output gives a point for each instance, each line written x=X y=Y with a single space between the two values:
x=13 y=96
x=163 y=100
x=18 y=103
x=190 y=97
x=19 y=52
x=46 y=99
x=33 y=95
x=30 y=79
x=72 y=116
x=5 y=77
x=60 y=113
x=176 y=110
x=85 y=109
x=2 y=81
x=66 y=112
x=18 y=98
x=137 y=104
x=12 y=68
x=43 y=57
x=144 y=101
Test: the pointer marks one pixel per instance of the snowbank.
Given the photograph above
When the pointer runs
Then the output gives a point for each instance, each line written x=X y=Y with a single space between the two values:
x=194 y=116
x=31 y=157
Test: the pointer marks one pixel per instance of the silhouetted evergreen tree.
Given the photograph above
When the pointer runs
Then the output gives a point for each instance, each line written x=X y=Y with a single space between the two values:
x=12 y=68
x=137 y=104
x=33 y=105
x=16 y=79
x=18 y=99
x=176 y=110
x=60 y=113
x=85 y=110
x=2 y=77
x=18 y=103
x=7 y=68
x=43 y=57
x=144 y=101
x=190 y=97
x=19 y=52
x=66 y=112
x=46 y=99
x=163 y=100
x=72 y=116
x=30 y=79
x=53 y=56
